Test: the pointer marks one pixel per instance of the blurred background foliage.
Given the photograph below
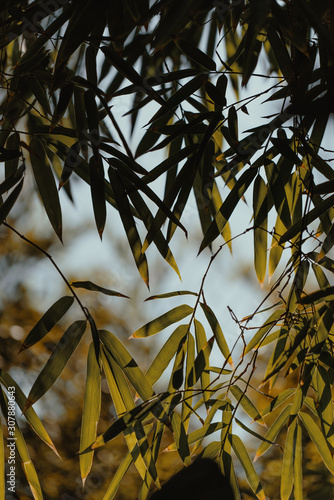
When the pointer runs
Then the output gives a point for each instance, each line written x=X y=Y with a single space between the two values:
x=184 y=75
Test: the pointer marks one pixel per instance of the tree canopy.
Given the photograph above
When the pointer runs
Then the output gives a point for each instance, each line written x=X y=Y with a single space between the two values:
x=194 y=78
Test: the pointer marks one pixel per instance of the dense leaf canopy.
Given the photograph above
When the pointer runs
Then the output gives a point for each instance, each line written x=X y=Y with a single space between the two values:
x=189 y=75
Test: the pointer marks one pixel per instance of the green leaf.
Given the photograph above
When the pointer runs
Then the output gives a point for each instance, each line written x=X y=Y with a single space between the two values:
x=47 y=321
x=288 y=462
x=12 y=179
x=260 y=227
x=98 y=192
x=251 y=474
x=318 y=439
x=163 y=321
x=171 y=294
x=30 y=415
x=88 y=285
x=39 y=92
x=65 y=97
x=91 y=412
x=129 y=223
x=305 y=221
x=228 y=207
x=181 y=438
x=246 y=404
x=128 y=365
x=265 y=328
x=8 y=204
x=298 y=465
x=318 y=296
x=57 y=362
x=118 y=476
x=217 y=332
x=166 y=353
x=195 y=54
x=273 y=431
x=46 y=184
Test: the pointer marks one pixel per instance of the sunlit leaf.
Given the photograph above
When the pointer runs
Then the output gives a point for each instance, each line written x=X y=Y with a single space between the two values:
x=260 y=228
x=246 y=404
x=318 y=439
x=288 y=462
x=165 y=355
x=163 y=321
x=273 y=431
x=91 y=412
x=170 y=294
x=218 y=332
x=252 y=477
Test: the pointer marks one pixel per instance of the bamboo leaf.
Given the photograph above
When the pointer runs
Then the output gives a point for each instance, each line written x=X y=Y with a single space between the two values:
x=57 y=361
x=298 y=465
x=88 y=285
x=98 y=191
x=165 y=355
x=217 y=332
x=260 y=227
x=30 y=415
x=47 y=321
x=65 y=97
x=246 y=404
x=305 y=221
x=118 y=476
x=91 y=412
x=251 y=474
x=273 y=431
x=195 y=54
x=181 y=438
x=265 y=328
x=163 y=321
x=318 y=439
x=128 y=365
x=129 y=223
x=288 y=462
x=228 y=207
x=8 y=204
x=171 y=294
x=46 y=184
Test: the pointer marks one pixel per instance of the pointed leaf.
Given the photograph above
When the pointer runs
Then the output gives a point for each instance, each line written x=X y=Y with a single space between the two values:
x=273 y=431
x=251 y=474
x=6 y=207
x=129 y=223
x=218 y=333
x=91 y=412
x=195 y=54
x=57 y=362
x=128 y=365
x=171 y=294
x=246 y=404
x=260 y=227
x=118 y=476
x=165 y=355
x=318 y=439
x=46 y=184
x=288 y=462
x=88 y=285
x=48 y=321
x=163 y=321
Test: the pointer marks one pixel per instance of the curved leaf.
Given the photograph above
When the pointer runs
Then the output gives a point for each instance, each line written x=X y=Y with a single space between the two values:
x=163 y=321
